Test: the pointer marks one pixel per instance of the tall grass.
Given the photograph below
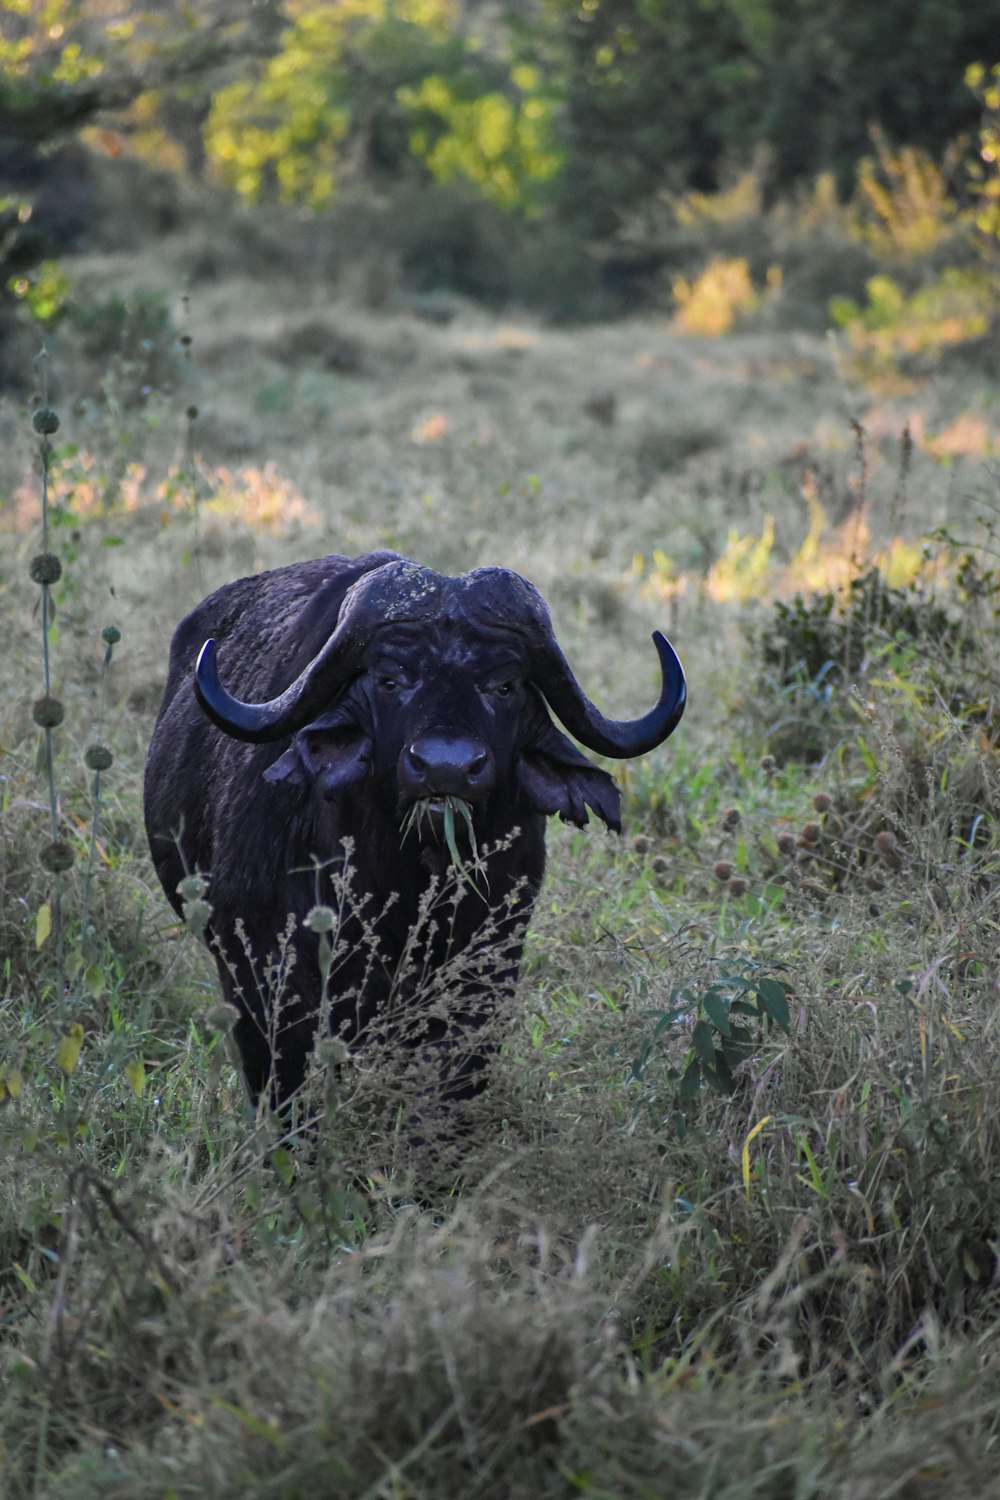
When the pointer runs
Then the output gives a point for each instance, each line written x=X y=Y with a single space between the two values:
x=641 y=1274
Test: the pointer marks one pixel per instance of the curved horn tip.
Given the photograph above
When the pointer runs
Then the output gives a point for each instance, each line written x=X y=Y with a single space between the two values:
x=225 y=711
x=206 y=674
x=206 y=659
x=674 y=680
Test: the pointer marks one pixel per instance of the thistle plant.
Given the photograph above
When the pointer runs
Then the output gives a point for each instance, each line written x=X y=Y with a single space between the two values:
x=98 y=758
x=48 y=712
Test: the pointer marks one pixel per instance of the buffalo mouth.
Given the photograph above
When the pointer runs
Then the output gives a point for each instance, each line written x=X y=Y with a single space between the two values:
x=440 y=819
x=447 y=836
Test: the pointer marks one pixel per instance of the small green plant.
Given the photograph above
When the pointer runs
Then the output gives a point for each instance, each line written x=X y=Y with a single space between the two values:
x=826 y=638
x=729 y=1016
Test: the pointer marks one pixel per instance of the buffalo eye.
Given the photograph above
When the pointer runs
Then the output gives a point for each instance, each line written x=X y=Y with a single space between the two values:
x=506 y=689
x=390 y=678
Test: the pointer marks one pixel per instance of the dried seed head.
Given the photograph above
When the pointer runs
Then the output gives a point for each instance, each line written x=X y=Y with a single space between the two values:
x=333 y=1051
x=768 y=764
x=641 y=844
x=737 y=885
x=56 y=856
x=220 y=1016
x=722 y=869
x=192 y=887
x=45 y=568
x=192 y=413
x=730 y=818
x=98 y=758
x=885 y=842
x=45 y=421
x=810 y=833
x=822 y=802
x=321 y=919
x=659 y=864
x=47 y=712
x=111 y=635
x=786 y=843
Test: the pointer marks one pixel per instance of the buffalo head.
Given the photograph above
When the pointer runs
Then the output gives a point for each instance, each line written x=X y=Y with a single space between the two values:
x=434 y=686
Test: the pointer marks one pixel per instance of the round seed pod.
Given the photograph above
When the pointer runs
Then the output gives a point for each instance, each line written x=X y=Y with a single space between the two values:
x=219 y=1017
x=887 y=848
x=45 y=421
x=822 y=802
x=111 y=635
x=786 y=843
x=810 y=833
x=98 y=758
x=659 y=864
x=45 y=567
x=730 y=819
x=332 y=1052
x=722 y=869
x=321 y=919
x=47 y=712
x=192 y=413
x=768 y=764
x=192 y=887
x=56 y=856
x=737 y=885
x=641 y=844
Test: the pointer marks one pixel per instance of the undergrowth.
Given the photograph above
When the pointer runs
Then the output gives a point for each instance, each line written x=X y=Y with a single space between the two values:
x=725 y=1221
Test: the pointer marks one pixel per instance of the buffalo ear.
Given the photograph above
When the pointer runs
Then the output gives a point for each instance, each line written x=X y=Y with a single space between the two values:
x=331 y=756
x=555 y=777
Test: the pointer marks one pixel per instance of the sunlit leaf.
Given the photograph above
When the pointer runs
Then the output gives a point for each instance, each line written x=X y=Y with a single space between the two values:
x=70 y=1047
x=135 y=1072
x=43 y=923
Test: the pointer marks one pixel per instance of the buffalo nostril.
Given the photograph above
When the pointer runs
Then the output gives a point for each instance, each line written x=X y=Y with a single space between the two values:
x=444 y=764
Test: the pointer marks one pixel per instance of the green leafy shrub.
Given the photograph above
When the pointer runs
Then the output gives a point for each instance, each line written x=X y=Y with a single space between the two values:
x=722 y=1037
x=826 y=638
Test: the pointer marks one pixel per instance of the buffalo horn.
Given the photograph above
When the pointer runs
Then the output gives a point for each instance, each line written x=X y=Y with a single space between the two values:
x=396 y=589
x=619 y=738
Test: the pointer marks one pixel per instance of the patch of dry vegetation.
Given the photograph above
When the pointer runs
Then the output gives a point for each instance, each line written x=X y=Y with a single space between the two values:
x=610 y=1286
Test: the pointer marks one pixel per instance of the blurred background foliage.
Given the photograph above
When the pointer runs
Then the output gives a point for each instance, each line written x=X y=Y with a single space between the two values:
x=580 y=157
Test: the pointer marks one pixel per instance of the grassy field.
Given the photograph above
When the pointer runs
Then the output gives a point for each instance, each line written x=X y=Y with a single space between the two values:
x=640 y=1280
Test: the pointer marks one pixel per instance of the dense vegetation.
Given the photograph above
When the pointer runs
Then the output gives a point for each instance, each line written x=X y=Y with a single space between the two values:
x=727 y=1221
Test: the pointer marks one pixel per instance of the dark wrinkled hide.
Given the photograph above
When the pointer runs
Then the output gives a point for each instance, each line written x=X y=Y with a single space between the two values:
x=437 y=698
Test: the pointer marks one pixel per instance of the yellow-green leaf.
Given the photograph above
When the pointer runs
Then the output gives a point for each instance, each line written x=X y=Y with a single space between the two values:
x=43 y=923
x=70 y=1047
x=746 y=1152
x=13 y=1082
x=95 y=980
x=24 y=1278
x=136 y=1075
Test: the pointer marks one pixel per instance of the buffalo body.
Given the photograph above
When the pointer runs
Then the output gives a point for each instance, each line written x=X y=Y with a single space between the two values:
x=364 y=700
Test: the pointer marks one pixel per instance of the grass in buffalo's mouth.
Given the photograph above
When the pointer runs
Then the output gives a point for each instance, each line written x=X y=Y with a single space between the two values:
x=430 y=814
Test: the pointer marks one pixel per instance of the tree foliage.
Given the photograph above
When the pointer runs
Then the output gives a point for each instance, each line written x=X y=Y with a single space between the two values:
x=577 y=116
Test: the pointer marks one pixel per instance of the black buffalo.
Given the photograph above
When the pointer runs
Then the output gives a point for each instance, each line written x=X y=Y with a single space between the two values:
x=358 y=692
